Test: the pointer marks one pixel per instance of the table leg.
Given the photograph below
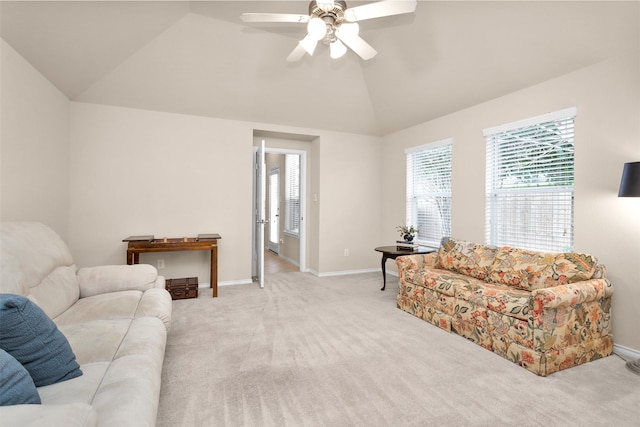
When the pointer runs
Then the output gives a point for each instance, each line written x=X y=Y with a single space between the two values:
x=384 y=272
x=132 y=257
x=214 y=270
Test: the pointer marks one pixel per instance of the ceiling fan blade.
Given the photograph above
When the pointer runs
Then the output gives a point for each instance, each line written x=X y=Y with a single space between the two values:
x=379 y=10
x=274 y=17
x=358 y=45
x=297 y=53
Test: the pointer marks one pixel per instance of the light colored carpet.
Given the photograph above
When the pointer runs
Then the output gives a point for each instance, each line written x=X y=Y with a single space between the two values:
x=309 y=351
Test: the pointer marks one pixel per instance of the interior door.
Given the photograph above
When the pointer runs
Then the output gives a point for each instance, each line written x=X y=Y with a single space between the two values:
x=260 y=213
x=274 y=210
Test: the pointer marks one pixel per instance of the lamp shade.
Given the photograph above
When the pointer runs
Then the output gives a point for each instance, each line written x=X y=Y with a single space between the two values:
x=630 y=183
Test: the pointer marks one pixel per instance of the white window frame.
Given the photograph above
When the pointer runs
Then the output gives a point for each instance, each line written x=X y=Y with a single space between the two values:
x=530 y=183
x=434 y=190
x=292 y=183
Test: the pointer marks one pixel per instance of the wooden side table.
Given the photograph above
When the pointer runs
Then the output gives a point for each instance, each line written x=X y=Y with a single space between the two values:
x=204 y=242
x=392 y=252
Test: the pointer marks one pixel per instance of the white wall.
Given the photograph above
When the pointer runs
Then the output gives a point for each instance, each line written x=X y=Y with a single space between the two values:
x=349 y=202
x=141 y=172
x=607 y=97
x=34 y=145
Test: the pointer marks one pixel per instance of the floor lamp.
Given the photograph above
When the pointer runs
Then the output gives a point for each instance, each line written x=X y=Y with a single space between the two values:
x=630 y=187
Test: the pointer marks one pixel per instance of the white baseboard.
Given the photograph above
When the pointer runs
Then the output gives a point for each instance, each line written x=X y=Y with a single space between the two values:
x=625 y=352
x=227 y=283
x=286 y=258
x=344 y=272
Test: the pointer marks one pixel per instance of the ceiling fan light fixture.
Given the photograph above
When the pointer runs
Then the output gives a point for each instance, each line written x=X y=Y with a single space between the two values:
x=348 y=30
x=317 y=28
x=337 y=49
x=309 y=44
x=335 y=24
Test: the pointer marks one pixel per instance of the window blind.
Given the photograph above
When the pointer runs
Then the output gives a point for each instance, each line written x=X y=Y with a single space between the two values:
x=529 y=183
x=429 y=191
x=292 y=194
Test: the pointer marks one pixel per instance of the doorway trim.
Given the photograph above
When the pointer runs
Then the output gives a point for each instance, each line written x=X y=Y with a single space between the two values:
x=303 y=199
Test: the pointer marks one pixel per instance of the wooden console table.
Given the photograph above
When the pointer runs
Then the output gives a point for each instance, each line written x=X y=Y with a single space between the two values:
x=204 y=242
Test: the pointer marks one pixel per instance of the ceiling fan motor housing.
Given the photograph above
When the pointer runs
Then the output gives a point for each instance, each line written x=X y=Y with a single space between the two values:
x=333 y=17
x=337 y=12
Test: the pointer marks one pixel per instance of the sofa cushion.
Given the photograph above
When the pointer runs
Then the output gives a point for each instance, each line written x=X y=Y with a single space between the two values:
x=57 y=292
x=16 y=385
x=81 y=389
x=468 y=258
x=30 y=251
x=33 y=339
x=531 y=270
x=110 y=306
x=115 y=278
x=442 y=281
x=97 y=340
x=506 y=300
x=68 y=415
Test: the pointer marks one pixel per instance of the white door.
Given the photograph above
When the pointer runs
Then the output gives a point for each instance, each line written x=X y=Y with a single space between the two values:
x=274 y=210
x=259 y=214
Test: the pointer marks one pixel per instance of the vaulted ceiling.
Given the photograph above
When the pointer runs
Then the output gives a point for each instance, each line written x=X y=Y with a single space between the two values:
x=199 y=58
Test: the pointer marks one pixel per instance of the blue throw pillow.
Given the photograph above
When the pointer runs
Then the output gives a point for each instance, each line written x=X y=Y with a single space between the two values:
x=16 y=385
x=35 y=341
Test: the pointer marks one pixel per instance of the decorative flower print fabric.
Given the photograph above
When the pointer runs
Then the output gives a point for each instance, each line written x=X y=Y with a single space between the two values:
x=466 y=258
x=531 y=270
x=543 y=311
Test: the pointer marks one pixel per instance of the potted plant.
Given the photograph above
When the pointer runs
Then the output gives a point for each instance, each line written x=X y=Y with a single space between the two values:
x=407 y=232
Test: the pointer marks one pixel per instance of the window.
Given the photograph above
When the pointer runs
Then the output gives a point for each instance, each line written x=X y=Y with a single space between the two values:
x=429 y=191
x=292 y=194
x=529 y=183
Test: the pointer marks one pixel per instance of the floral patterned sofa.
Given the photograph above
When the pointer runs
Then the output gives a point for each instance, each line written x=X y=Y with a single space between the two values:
x=544 y=311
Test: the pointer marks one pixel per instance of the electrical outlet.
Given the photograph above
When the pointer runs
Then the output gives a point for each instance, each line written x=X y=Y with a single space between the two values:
x=346 y=252
x=160 y=264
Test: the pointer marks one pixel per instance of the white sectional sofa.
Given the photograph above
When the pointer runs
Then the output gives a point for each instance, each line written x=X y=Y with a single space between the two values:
x=115 y=319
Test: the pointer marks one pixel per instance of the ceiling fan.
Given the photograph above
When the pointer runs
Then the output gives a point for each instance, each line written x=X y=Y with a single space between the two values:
x=335 y=24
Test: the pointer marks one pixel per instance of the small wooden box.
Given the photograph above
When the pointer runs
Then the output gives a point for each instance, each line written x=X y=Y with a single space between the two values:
x=183 y=288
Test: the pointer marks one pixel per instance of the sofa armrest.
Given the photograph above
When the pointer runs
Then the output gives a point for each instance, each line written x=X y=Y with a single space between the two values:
x=571 y=294
x=70 y=414
x=114 y=278
x=416 y=262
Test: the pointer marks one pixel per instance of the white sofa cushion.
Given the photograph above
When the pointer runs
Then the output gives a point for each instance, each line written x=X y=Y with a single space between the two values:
x=31 y=252
x=69 y=415
x=97 y=340
x=57 y=292
x=114 y=278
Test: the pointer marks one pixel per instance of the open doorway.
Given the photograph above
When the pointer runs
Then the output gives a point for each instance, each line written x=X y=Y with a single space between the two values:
x=283 y=197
